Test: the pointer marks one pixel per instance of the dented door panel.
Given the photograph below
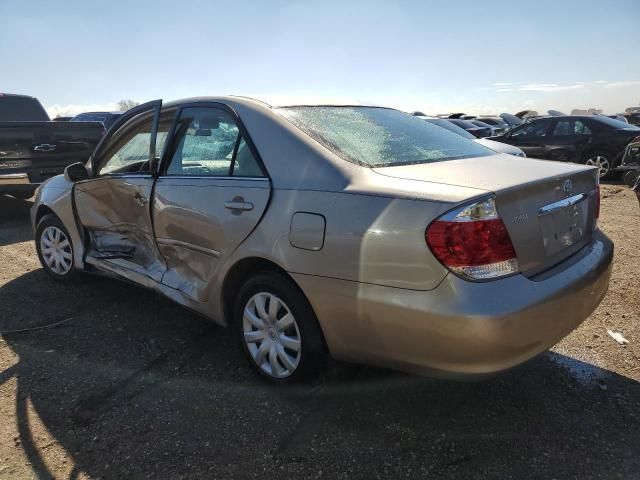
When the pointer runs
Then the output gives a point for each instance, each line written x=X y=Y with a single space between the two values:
x=115 y=213
x=199 y=222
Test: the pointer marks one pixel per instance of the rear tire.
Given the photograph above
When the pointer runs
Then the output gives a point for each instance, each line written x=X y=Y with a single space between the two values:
x=602 y=160
x=55 y=249
x=277 y=329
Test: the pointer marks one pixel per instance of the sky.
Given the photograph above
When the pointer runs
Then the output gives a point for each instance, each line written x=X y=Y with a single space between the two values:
x=434 y=56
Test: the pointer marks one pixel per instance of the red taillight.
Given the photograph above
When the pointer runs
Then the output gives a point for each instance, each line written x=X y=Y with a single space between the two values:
x=473 y=242
x=461 y=244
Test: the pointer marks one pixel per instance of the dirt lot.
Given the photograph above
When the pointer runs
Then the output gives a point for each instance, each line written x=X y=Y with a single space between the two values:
x=134 y=386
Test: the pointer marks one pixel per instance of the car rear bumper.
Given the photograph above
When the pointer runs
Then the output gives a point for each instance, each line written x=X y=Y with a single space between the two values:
x=461 y=328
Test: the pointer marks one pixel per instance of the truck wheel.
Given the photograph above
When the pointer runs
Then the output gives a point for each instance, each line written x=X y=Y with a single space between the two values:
x=278 y=330
x=55 y=250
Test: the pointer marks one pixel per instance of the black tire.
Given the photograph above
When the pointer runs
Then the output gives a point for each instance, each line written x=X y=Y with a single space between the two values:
x=630 y=177
x=601 y=153
x=312 y=347
x=52 y=221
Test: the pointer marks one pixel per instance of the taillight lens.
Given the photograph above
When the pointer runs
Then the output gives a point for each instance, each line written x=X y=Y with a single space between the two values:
x=473 y=242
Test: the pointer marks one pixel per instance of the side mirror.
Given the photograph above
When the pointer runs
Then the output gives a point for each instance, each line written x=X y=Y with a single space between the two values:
x=76 y=172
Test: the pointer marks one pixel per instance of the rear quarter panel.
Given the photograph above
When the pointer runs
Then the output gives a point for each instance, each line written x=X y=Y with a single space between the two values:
x=370 y=239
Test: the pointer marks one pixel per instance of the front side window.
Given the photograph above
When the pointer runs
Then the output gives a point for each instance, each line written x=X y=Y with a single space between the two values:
x=207 y=142
x=537 y=128
x=129 y=148
x=563 y=128
x=380 y=137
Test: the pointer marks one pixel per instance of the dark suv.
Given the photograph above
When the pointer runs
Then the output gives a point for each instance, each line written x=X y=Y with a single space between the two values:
x=593 y=140
x=106 y=118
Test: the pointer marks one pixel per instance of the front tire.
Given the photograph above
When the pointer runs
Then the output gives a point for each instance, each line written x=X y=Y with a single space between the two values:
x=278 y=331
x=630 y=177
x=55 y=249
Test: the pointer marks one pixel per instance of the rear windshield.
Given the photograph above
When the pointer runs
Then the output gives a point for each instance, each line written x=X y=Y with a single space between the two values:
x=90 y=117
x=615 y=123
x=380 y=137
x=21 y=109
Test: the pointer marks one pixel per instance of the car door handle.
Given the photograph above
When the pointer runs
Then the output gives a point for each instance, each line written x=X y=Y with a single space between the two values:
x=45 y=147
x=238 y=205
x=141 y=199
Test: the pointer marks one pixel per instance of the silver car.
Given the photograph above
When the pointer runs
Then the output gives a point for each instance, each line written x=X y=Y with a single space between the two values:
x=499 y=147
x=353 y=231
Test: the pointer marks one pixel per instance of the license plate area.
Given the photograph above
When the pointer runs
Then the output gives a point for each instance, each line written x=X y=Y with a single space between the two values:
x=564 y=223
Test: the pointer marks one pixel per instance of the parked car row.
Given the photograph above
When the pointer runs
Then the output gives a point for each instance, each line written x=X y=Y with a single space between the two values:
x=452 y=126
x=597 y=140
x=594 y=140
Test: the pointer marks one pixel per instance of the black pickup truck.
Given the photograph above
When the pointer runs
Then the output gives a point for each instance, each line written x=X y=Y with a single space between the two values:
x=33 y=148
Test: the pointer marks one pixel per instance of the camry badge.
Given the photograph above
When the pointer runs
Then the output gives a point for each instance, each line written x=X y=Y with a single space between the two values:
x=567 y=187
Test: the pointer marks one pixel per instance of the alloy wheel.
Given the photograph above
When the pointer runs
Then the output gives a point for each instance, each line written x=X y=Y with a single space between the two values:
x=271 y=335
x=601 y=162
x=56 y=250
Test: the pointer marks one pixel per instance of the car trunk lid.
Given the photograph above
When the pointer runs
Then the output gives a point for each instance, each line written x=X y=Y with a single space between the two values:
x=549 y=208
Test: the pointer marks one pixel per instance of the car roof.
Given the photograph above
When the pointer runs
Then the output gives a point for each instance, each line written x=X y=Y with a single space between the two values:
x=276 y=101
x=16 y=95
x=593 y=117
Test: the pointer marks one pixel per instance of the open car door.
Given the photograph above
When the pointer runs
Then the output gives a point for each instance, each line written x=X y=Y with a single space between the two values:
x=113 y=205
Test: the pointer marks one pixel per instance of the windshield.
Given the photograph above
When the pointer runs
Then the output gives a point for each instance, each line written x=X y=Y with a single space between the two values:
x=380 y=137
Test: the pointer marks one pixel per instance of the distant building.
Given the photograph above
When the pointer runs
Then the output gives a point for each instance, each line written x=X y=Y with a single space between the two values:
x=631 y=110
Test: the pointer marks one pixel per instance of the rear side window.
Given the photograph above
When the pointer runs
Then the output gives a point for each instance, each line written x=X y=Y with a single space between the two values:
x=570 y=127
x=207 y=142
x=380 y=137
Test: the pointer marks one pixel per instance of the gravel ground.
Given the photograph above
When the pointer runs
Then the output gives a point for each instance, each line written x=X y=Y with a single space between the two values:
x=133 y=386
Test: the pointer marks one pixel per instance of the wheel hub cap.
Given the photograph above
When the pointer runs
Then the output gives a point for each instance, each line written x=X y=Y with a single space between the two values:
x=271 y=335
x=56 y=250
x=601 y=162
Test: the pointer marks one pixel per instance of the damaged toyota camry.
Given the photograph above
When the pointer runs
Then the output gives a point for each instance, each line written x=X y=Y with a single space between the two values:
x=358 y=232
